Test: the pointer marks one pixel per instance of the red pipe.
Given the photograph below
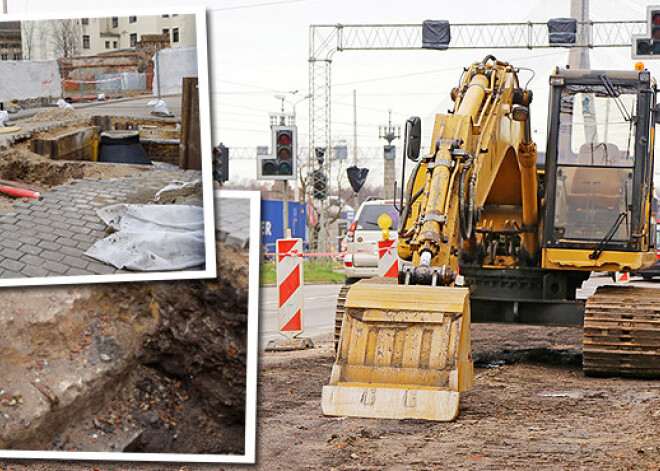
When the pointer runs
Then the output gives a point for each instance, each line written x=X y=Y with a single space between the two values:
x=19 y=185
x=19 y=192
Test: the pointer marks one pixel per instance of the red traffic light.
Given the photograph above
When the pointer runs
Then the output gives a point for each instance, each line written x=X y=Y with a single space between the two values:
x=656 y=17
x=284 y=138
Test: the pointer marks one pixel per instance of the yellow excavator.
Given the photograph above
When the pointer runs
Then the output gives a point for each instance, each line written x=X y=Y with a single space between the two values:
x=523 y=231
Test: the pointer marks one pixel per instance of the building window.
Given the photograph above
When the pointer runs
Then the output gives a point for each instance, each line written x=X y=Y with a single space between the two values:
x=16 y=46
x=84 y=21
x=107 y=44
x=115 y=21
x=4 y=57
x=133 y=39
x=175 y=15
x=166 y=16
x=166 y=31
x=132 y=19
x=115 y=44
x=17 y=57
x=175 y=35
x=85 y=41
x=3 y=46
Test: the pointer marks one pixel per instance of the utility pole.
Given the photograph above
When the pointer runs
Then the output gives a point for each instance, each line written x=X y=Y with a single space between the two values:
x=578 y=58
x=355 y=146
x=4 y=6
x=389 y=133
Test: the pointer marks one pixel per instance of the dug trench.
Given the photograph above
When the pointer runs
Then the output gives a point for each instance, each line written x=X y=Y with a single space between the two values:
x=141 y=367
x=21 y=163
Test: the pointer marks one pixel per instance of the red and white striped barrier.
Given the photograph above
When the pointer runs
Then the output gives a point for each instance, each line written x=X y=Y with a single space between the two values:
x=290 y=287
x=621 y=277
x=388 y=261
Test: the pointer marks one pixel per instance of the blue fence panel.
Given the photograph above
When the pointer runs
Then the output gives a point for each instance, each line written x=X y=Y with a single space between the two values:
x=271 y=222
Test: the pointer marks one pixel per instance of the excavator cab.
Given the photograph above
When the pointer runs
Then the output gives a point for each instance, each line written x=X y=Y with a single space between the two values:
x=599 y=171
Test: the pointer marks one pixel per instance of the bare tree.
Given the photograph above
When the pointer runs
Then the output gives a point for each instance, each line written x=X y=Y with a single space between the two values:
x=27 y=32
x=66 y=37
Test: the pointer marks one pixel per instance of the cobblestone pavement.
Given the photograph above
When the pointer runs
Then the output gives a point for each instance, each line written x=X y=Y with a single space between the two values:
x=48 y=237
x=232 y=221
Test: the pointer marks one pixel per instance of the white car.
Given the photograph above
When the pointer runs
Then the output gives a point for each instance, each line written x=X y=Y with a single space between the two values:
x=361 y=241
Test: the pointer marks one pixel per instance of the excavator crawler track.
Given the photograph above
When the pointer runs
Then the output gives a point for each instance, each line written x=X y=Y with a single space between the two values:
x=340 y=311
x=622 y=332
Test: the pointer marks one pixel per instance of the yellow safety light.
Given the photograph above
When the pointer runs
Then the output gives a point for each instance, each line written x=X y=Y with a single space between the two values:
x=639 y=66
x=385 y=222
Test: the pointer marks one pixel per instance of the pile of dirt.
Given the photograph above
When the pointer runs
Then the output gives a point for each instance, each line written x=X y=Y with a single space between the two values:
x=55 y=114
x=28 y=167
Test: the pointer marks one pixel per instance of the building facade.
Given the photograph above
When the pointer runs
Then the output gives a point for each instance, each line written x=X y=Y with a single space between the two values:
x=54 y=39
x=11 y=48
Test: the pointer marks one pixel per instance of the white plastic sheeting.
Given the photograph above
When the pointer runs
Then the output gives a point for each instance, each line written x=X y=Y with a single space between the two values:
x=174 y=64
x=151 y=237
x=20 y=80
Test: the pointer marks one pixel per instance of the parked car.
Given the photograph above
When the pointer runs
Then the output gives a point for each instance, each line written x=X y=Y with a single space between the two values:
x=363 y=236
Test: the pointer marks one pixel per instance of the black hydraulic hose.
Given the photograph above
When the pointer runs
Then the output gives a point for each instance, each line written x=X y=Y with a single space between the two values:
x=487 y=58
x=409 y=200
x=466 y=208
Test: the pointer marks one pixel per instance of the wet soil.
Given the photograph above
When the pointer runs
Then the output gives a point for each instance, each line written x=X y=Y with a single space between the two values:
x=183 y=392
x=531 y=411
x=531 y=408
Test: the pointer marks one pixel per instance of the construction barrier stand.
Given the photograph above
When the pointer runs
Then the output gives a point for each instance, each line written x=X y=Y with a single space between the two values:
x=290 y=287
x=388 y=260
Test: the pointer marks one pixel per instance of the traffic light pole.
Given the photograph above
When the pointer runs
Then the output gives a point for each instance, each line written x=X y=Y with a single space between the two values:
x=285 y=208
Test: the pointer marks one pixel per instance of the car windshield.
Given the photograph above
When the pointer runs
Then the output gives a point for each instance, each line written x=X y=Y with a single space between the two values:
x=368 y=219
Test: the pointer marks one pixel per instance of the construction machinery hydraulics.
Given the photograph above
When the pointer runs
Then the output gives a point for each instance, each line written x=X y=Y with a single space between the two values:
x=524 y=232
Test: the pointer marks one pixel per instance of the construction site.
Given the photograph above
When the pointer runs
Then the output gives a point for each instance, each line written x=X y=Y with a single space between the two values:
x=84 y=133
x=135 y=368
x=499 y=309
x=496 y=307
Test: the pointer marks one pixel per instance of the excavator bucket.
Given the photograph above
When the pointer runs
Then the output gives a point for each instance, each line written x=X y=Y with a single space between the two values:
x=404 y=353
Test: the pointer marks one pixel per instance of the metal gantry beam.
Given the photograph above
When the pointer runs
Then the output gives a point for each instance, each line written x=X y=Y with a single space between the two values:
x=326 y=40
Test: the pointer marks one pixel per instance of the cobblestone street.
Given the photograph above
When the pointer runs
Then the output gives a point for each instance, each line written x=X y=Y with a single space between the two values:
x=48 y=237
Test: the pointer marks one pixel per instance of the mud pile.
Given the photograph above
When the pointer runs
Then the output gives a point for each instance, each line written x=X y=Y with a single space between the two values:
x=55 y=114
x=28 y=167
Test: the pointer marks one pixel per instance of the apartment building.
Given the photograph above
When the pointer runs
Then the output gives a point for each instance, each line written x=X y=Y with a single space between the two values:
x=53 y=39
x=11 y=48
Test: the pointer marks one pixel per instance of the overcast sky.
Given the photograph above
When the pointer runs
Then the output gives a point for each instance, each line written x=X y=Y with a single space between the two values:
x=260 y=48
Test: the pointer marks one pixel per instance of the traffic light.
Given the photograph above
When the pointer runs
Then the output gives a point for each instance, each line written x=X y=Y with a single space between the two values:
x=648 y=45
x=281 y=165
x=220 y=163
x=320 y=184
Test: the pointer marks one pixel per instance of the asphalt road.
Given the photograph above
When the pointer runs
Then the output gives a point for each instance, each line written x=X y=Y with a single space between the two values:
x=318 y=314
x=320 y=301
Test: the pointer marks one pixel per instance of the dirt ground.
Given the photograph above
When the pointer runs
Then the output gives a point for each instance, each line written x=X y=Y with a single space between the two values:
x=531 y=408
x=183 y=393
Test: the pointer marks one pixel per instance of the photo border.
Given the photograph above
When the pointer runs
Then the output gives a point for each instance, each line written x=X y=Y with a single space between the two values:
x=205 y=142
x=251 y=373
